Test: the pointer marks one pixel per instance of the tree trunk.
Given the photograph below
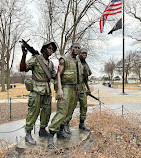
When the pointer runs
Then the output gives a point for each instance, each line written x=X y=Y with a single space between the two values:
x=2 y=73
x=126 y=78
x=7 y=69
x=8 y=76
x=74 y=21
x=140 y=78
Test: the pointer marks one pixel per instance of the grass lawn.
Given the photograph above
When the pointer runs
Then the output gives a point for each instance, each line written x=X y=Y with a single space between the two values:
x=131 y=86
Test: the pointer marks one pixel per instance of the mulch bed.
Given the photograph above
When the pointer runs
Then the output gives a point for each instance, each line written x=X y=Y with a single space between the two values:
x=18 y=111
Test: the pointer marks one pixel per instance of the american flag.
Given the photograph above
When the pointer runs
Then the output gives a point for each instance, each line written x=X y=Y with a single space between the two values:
x=114 y=7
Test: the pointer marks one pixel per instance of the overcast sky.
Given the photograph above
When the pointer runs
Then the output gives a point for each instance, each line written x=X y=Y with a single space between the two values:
x=114 y=44
x=112 y=48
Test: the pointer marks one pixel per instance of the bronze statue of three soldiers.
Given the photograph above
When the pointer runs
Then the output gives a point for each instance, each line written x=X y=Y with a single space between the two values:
x=72 y=84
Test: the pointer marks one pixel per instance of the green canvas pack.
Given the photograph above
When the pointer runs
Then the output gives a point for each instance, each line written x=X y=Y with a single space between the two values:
x=29 y=84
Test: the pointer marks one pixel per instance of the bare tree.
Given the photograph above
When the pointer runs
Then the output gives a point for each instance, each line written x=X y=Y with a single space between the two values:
x=137 y=64
x=19 y=77
x=128 y=62
x=134 y=10
x=69 y=21
x=109 y=68
x=13 y=24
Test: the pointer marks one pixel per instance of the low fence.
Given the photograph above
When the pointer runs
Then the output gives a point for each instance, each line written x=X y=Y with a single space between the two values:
x=122 y=110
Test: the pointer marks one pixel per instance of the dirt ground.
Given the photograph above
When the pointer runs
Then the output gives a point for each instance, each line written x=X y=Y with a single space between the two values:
x=18 y=111
x=112 y=135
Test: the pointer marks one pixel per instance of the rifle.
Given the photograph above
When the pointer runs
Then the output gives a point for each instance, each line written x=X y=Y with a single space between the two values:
x=29 y=48
x=36 y=54
x=92 y=96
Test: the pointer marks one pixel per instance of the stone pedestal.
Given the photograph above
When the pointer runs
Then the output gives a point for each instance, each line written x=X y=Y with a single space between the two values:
x=77 y=137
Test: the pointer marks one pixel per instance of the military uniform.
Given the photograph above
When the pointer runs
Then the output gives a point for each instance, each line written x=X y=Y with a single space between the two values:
x=82 y=88
x=40 y=95
x=67 y=104
x=82 y=98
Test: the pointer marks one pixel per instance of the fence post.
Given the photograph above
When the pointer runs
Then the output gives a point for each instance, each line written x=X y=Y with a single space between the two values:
x=100 y=107
x=98 y=94
x=22 y=94
x=122 y=110
x=8 y=97
x=99 y=102
x=17 y=140
x=10 y=108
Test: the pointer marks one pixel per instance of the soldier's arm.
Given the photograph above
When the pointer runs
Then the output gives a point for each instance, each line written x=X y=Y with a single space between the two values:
x=53 y=72
x=88 y=88
x=87 y=72
x=59 y=74
x=23 y=63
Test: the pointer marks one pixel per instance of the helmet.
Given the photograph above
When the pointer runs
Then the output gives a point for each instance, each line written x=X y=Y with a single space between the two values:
x=83 y=50
x=46 y=44
x=75 y=44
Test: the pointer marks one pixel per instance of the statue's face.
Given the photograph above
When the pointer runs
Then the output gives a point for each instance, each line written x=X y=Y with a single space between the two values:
x=49 y=50
x=83 y=55
x=75 y=49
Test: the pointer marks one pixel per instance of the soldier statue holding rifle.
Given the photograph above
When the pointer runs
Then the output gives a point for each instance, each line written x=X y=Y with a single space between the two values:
x=39 y=101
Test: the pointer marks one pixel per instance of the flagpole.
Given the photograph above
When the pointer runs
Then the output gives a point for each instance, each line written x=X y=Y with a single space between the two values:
x=123 y=50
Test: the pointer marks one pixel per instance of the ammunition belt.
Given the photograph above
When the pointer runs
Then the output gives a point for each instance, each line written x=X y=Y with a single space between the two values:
x=39 y=80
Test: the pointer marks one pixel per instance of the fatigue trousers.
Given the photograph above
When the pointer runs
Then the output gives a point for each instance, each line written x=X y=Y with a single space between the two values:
x=65 y=107
x=83 y=105
x=38 y=104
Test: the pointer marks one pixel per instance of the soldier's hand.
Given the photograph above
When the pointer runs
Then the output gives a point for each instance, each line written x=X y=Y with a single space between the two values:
x=24 y=50
x=88 y=91
x=60 y=94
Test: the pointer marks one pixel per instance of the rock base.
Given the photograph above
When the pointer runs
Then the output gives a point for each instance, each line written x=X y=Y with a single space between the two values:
x=77 y=138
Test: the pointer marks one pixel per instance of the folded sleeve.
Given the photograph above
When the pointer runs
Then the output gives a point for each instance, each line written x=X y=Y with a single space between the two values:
x=30 y=63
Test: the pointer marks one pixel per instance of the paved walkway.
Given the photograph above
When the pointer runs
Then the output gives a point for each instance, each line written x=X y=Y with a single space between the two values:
x=114 y=96
x=113 y=99
x=19 y=100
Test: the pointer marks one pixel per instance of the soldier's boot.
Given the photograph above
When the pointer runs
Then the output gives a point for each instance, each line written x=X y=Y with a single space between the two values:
x=67 y=129
x=50 y=140
x=83 y=126
x=43 y=132
x=29 y=139
x=62 y=134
